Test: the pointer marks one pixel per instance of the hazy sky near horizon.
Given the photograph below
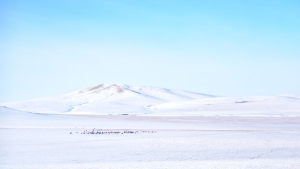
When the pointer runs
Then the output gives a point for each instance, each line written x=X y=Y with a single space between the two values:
x=210 y=46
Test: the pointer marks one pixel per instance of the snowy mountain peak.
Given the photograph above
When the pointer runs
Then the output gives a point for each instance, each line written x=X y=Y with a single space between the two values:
x=103 y=87
x=92 y=89
x=116 y=88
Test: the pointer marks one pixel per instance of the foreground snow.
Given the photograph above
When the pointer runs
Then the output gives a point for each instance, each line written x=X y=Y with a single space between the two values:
x=36 y=141
x=56 y=148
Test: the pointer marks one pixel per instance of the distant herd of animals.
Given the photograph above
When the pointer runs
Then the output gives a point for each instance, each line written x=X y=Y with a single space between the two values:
x=101 y=131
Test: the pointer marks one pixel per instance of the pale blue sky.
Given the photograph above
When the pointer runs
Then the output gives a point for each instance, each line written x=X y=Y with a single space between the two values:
x=220 y=47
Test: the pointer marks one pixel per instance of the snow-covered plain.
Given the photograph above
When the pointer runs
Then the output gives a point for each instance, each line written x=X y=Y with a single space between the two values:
x=172 y=129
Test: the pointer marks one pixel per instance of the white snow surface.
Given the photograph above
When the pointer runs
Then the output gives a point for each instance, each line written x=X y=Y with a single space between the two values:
x=150 y=128
x=120 y=99
x=51 y=141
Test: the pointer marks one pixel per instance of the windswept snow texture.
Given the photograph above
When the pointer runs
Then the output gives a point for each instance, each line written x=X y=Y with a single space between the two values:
x=119 y=99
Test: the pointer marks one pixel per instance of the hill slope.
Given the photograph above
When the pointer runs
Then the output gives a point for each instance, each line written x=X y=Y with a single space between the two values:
x=119 y=99
x=106 y=99
x=276 y=106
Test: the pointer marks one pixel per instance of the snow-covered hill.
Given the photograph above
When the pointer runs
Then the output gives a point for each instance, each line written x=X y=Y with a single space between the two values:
x=106 y=99
x=119 y=99
x=276 y=106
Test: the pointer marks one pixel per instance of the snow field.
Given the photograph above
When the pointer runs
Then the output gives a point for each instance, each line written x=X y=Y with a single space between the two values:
x=57 y=148
x=35 y=141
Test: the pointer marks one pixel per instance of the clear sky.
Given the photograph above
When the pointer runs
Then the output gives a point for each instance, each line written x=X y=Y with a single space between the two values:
x=220 y=47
